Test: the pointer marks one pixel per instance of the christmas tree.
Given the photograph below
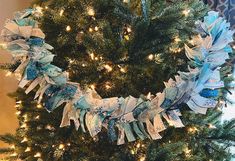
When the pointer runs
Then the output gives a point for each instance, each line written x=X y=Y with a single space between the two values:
x=119 y=48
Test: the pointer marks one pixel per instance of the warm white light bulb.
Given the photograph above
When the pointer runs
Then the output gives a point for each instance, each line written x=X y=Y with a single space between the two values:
x=39 y=9
x=128 y=29
x=39 y=106
x=8 y=74
x=19 y=102
x=61 y=146
x=132 y=152
x=123 y=70
x=61 y=12
x=3 y=45
x=187 y=151
x=186 y=12
x=138 y=145
x=96 y=28
x=37 y=155
x=92 y=86
x=142 y=158
x=90 y=29
x=150 y=57
x=14 y=154
x=27 y=149
x=18 y=113
x=107 y=86
x=24 y=140
x=37 y=117
x=108 y=67
x=149 y=96
x=68 y=28
x=24 y=125
x=92 y=55
x=13 y=147
x=177 y=39
x=90 y=11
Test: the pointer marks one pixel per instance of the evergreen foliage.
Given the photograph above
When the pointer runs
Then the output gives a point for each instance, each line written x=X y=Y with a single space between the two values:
x=143 y=45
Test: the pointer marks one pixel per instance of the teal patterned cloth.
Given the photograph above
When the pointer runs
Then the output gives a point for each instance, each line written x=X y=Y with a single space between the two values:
x=225 y=7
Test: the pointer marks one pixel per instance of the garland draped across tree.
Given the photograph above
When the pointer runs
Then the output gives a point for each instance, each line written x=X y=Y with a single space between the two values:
x=142 y=117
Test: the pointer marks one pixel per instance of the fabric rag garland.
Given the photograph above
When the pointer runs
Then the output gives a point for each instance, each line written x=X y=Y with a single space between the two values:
x=142 y=117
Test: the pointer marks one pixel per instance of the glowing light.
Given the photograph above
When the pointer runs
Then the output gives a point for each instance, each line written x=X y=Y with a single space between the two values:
x=149 y=96
x=186 y=12
x=192 y=130
x=90 y=29
x=187 y=151
x=108 y=67
x=19 y=102
x=107 y=86
x=123 y=70
x=16 y=106
x=14 y=154
x=37 y=155
x=142 y=158
x=24 y=140
x=8 y=74
x=61 y=146
x=13 y=147
x=61 y=12
x=150 y=57
x=191 y=41
x=125 y=1
x=18 y=113
x=69 y=144
x=90 y=11
x=233 y=47
x=92 y=86
x=96 y=28
x=211 y=126
x=39 y=9
x=25 y=116
x=49 y=127
x=37 y=117
x=92 y=55
x=71 y=61
x=27 y=149
x=177 y=39
x=171 y=124
x=24 y=125
x=46 y=7
x=138 y=145
x=83 y=65
x=39 y=106
x=132 y=152
x=128 y=29
x=179 y=50
x=3 y=45
x=96 y=58
x=68 y=28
